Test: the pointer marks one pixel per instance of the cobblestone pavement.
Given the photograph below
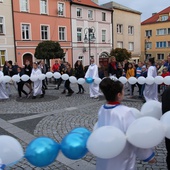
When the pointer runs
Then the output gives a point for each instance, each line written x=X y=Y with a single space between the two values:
x=54 y=116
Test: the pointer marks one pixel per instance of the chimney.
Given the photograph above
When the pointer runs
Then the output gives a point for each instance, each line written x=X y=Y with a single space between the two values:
x=154 y=13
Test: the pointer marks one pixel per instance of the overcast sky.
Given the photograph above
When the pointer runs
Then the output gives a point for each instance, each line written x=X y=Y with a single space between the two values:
x=147 y=7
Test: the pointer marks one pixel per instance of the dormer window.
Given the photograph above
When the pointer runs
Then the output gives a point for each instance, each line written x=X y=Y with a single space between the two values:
x=164 y=17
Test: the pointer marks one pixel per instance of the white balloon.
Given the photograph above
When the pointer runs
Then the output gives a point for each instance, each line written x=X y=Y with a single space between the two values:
x=106 y=142
x=33 y=78
x=150 y=80
x=165 y=120
x=145 y=132
x=16 y=78
x=152 y=108
x=49 y=74
x=123 y=80
x=57 y=75
x=167 y=80
x=136 y=113
x=81 y=81
x=6 y=79
x=132 y=80
x=141 y=80
x=72 y=79
x=97 y=80
x=65 y=76
x=159 y=79
x=25 y=77
x=42 y=77
x=11 y=150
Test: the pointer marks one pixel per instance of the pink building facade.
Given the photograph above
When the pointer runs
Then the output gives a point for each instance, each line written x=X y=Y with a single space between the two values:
x=41 y=20
x=88 y=18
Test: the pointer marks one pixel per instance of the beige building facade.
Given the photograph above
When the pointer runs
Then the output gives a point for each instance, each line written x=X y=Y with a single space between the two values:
x=7 y=51
x=155 y=36
x=126 y=29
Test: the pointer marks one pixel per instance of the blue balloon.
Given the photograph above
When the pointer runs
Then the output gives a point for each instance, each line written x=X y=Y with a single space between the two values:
x=89 y=80
x=73 y=146
x=81 y=130
x=42 y=151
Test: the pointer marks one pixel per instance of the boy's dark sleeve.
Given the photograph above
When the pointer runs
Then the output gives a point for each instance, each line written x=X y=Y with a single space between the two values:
x=165 y=100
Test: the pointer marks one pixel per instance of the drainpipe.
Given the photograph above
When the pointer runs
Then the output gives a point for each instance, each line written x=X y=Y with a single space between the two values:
x=14 y=30
x=112 y=28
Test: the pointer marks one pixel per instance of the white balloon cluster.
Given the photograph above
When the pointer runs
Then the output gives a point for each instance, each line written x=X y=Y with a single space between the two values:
x=72 y=79
x=147 y=131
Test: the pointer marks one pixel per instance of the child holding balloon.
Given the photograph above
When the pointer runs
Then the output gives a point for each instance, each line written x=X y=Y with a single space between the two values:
x=120 y=116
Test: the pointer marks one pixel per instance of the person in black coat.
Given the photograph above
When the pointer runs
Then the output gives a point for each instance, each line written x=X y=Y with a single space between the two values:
x=165 y=108
x=5 y=68
x=79 y=73
x=112 y=67
x=21 y=84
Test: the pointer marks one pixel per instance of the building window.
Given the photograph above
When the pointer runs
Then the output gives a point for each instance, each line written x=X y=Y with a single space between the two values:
x=2 y=30
x=25 y=31
x=130 y=30
x=148 y=56
x=162 y=31
x=103 y=16
x=62 y=33
x=131 y=46
x=60 y=9
x=44 y=32
x=168 y=30
x=103 y=35
x=24 y=5
x=160 y=56
x=120 y=44
x=43 y=6
x=90 y=14
x=2 y=57
x=119 y=28
x=148 y=45
x=164 y=17
x=168 y=44
x=79 y=34
x=161 y=44
x=148 y=33
x=79 y=12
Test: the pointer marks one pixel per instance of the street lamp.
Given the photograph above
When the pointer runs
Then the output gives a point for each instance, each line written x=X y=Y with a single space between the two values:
x=89 y=37
x=146 y=46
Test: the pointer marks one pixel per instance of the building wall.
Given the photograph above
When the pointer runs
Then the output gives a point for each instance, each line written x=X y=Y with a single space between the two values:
x=7 y=38
x=35 y=19
x=153 y=39
x=97 y=47
x=127 y=19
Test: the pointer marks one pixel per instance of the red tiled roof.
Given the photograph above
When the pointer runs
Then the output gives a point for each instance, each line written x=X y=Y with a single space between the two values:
x=155 y=17
x=89 y=3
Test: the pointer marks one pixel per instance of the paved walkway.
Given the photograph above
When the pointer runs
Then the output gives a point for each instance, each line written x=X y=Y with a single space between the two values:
x=54 y=116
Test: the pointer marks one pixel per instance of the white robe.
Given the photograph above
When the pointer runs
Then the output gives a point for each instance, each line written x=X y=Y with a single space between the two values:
x=92 y=72
x=151 y=91
x=3 y=92
x=120 y=117
x=37 y=88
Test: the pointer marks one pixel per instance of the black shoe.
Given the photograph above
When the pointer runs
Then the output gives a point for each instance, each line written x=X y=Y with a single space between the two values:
x=69 y=94
x=63 y=92
x=78 y=92
x=33 y=97
x=42 y=95
x=57 y=88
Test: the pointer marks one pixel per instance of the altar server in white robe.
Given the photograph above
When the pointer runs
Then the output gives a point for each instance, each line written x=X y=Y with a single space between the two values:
x=3 y=92
x=37 y=85
x=151 y=91
x=120 y=116
x=92 y=72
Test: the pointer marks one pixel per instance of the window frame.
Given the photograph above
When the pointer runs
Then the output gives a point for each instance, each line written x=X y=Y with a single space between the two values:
x=28 y=33
x=132 y=46
x=104 y=16
x=48 y=31
x=44 y=13
x=119 y=28
x=65 y=37
x=80 y=12
x=91 y=18
x=81 y=33
x=63 y=11
x=121 y=42
x=150 y=33
x=162 y=56
x=27 y=10
x=131 y=28
x=161 y=44
x=1 y=64
x=161 y=29
x=103 y=41
x=3 y=25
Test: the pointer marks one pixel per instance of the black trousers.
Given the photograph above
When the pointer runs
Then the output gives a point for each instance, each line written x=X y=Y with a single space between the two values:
x=80 y=87
x=167 y=143
x=20 y=89
x=140 y=89
x=67 y=86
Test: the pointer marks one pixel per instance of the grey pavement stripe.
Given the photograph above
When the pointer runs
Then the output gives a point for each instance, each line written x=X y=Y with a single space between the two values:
x=53 y=112
x=27 y=138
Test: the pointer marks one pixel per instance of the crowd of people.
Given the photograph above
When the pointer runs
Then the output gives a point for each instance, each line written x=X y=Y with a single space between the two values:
x=116 y=69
